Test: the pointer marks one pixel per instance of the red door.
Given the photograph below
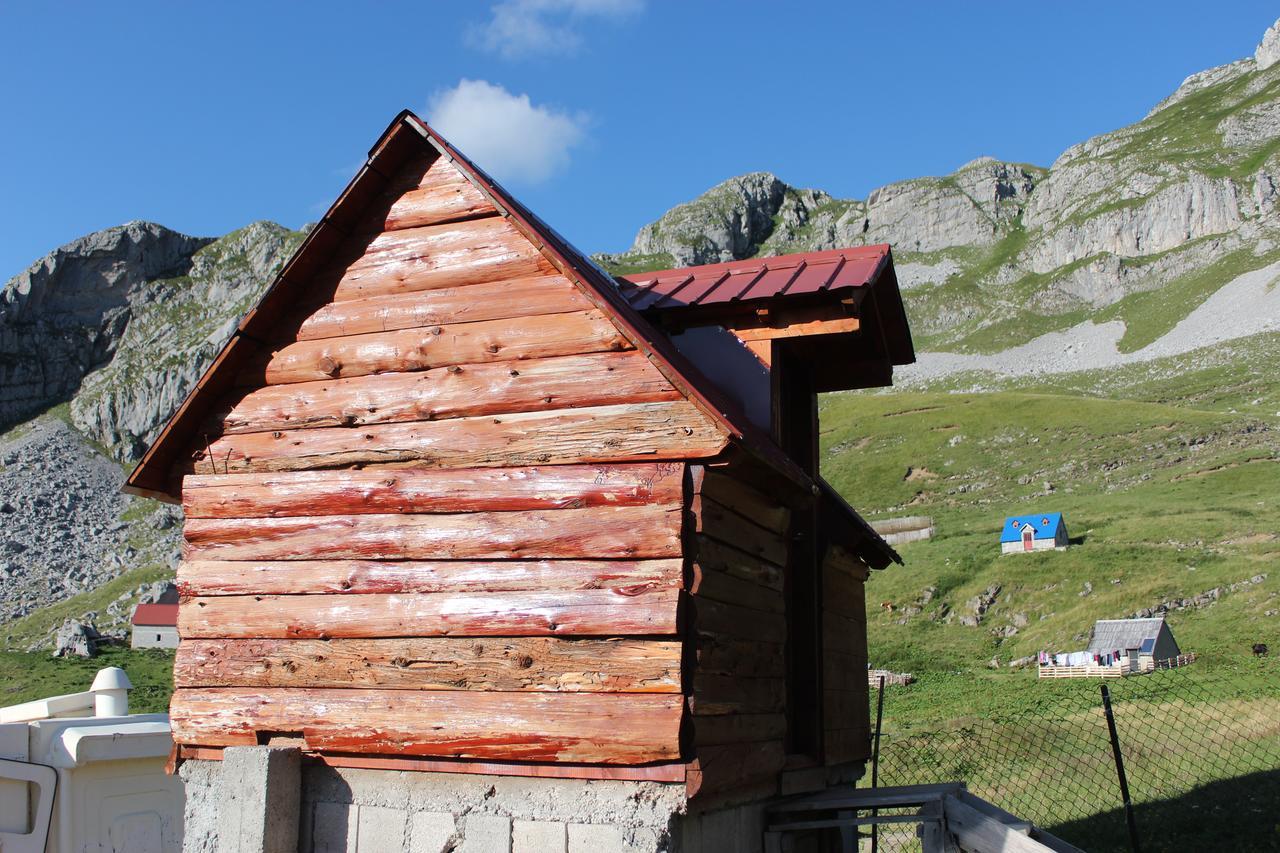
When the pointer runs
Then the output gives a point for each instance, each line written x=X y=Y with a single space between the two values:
x=1028 y=537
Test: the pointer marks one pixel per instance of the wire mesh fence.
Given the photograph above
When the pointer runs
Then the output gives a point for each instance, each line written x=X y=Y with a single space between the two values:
x=1203 y=765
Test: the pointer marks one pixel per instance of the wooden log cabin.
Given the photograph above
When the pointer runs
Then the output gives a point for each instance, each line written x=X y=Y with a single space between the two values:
x=459 y=501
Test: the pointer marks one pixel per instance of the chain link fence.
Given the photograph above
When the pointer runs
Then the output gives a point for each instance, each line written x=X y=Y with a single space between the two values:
x=1203 y=764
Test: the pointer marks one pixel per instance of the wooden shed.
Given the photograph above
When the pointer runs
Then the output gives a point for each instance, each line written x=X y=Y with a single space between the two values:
x=457 y=500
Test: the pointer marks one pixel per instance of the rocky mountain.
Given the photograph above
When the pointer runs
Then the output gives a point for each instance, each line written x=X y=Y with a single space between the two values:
x=996 y=254
x=1148 y=241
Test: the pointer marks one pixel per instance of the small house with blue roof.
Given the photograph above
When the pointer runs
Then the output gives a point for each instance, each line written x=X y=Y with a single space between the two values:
x=1024 y=533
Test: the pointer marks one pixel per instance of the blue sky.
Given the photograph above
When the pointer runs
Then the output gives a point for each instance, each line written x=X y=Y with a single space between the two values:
x=600 y=114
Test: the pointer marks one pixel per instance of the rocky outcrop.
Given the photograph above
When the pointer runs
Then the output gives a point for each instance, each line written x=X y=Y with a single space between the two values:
x=1123 y=212
x=177 y=327
x=63 y=316
x=1267 y=53
x=66 y=527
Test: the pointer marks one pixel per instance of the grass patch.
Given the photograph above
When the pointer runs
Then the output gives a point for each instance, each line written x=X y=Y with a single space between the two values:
x=25 y=676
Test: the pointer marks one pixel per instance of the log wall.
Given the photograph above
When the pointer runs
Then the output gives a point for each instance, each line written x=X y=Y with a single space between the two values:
x=738 y=632
x=846 y=716
x=444 y=514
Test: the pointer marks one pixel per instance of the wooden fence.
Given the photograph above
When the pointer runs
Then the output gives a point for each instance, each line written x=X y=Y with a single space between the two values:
x=1116 y=670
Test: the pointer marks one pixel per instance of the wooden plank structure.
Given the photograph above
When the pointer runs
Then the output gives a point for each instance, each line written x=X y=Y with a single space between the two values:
x=453 y=503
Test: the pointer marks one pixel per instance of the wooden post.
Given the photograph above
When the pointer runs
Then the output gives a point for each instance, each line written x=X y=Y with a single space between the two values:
x=1124 y=782
x=875 y=763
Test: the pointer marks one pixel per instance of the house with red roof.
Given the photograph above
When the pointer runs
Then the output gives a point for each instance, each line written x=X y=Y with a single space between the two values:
x=461 y=505
x=155 y=626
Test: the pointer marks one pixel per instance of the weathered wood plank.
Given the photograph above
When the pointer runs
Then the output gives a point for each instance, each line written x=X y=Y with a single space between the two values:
x=597 y=728
x=410 y=490
x=538 y=664
x=739 y=728
x=622 y=433
x=724 y=525
x=357 y=577
x=406 y=350
x=729 y=766
x=716 y=617
x=498 y=300
x=733 y=694
x=591 y=532
x=722 y=586
x=720 y=655
x=714 y=555
x=431 y=195
x=531 y=385
x=433 y=256
x=592 y=612
x=746 y=501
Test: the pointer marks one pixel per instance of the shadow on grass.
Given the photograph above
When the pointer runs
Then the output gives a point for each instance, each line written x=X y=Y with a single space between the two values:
x=1240 y=814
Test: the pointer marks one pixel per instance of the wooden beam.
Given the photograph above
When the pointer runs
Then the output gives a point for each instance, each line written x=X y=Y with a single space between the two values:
x=796 y=330
x=595 y=728
x=668 y=772
x=412 y=490
x=537 y=664
x=594 y=612
x=497 y=300
x=434 y=256
x=592 y=532
x=429 y=193
x=621 y=433
x=529 y=385
x=441 y=345
x=358 y=577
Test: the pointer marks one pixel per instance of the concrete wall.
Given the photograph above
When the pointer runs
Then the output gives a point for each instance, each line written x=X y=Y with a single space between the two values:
x=384 y=811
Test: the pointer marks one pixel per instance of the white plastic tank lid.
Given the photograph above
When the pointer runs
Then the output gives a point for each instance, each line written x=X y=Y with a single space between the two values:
x=111 y=678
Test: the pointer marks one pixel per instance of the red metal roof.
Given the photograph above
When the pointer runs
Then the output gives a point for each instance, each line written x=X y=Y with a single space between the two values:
x=165 y=615
x=756 y=278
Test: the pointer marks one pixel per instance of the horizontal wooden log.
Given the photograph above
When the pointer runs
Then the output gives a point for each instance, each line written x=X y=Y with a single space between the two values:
x=726 y=767
x=596 y=728
x=434 y=256
x=722 y=586
x=843 y=671
x=532 y=385
x=593 y=612
x=592 y=532
x=844 y=745
x=714 y=555
x=622 y=433
x=733 y=694
x=538 y=664
x=846 y=709
x=408 y=490
x=406 y=350
x=746 y=501
x=721 y=655
x=498 y=300
x=358 y=577
x=428 y=196
x=739 y=728
x=724 y=525
x=718 y=618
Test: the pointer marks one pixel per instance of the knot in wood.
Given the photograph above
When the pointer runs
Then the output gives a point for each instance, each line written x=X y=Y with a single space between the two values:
x=493 y=348
x=329 y=366
x=524 y=662
x=455 y=368
x=515 y=373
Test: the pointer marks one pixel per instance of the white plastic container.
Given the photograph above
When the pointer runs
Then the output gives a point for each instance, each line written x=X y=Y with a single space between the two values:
x=112 y=794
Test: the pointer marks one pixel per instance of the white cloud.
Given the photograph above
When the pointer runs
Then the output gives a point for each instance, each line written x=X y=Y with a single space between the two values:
x=505 y=134
x=519 y=28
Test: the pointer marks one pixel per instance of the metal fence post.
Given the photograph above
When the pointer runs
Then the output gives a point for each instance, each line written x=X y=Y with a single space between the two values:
x=1124 y=782
x=875 y=763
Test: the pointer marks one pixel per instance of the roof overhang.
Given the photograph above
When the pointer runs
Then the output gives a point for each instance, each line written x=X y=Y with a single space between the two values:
x=840 y=311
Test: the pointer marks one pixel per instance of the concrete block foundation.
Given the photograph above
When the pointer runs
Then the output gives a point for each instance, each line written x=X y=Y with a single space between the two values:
x=341 y=810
